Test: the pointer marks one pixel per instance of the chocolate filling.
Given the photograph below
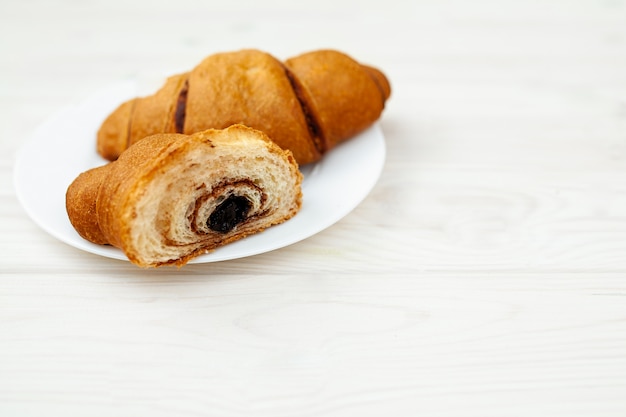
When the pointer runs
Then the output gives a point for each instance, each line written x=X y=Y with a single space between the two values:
x=181 y=108
x=312 y=123
x=229 y=213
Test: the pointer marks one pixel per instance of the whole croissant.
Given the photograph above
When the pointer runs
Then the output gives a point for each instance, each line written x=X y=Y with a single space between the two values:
x=307 y=104
x=171 y=197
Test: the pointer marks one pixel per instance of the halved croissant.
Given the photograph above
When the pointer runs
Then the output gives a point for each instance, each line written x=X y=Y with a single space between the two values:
x=171 y=197
x=307 y=104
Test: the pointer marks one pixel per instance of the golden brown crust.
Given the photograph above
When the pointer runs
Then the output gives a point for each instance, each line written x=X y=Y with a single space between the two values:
x=80 y=203
x=381 y=81
x=343 y=95
x=308 y=104
x=113 y=135
x=155 y=114
x=248 y=87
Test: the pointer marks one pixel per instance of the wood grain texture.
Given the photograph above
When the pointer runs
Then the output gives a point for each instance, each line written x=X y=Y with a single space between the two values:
x=485 y=274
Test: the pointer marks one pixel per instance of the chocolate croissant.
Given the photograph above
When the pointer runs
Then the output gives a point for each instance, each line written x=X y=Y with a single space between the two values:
x=171 y=197
x=307 y=104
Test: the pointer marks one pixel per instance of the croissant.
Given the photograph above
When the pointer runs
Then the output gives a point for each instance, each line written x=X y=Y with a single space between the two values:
x=171 y=197
x=307 y=104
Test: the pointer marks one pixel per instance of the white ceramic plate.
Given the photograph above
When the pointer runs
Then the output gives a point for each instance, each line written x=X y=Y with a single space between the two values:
x=65 y=146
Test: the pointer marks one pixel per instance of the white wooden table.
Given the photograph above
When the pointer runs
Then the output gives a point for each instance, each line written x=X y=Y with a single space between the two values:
x=485 y=274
